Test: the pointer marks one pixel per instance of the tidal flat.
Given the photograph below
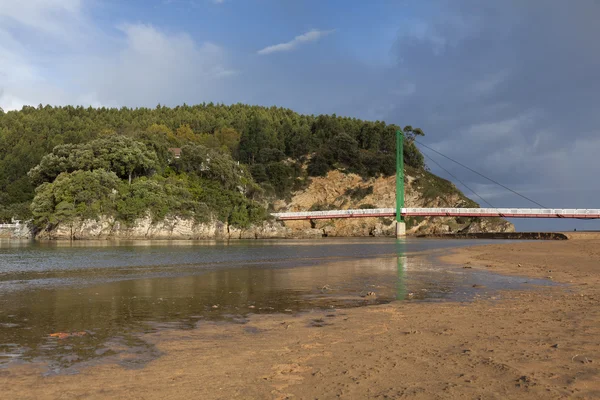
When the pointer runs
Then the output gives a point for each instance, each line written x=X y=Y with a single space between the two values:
x=349 y=318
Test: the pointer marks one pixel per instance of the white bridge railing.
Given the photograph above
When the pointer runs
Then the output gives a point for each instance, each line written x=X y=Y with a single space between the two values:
x=444 y=212
x=9 y=226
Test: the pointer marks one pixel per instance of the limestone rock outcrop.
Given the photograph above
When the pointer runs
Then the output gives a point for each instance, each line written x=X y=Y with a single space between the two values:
x=337 y=190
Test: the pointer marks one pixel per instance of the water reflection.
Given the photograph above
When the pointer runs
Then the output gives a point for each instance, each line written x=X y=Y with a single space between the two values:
x=107 y=306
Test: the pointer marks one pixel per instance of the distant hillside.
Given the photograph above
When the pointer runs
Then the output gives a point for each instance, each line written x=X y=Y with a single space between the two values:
x=63 y=164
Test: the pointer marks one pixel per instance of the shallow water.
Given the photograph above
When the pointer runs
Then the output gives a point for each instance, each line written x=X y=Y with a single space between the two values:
x=104 y=294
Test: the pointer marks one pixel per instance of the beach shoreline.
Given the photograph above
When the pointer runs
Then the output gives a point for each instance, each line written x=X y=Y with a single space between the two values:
x=540 y=343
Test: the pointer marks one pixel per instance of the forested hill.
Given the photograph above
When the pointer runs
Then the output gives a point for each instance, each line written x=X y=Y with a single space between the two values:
x=234 y=159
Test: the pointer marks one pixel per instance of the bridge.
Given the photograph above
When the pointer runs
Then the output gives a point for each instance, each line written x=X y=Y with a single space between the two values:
x=14 y=230
x=400 y=212
x=10 y=226
x=443 y=212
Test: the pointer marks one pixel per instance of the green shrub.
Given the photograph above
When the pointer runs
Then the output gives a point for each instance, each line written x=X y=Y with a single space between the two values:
x=367 y=206
x=386 y=221
x=359 y=192
x=318 y=165
x=322 y=207
x=411 y=222
x=281 y=177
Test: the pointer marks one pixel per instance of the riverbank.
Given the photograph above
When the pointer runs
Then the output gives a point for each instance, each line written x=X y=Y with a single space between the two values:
x=519 y=344
x=500 y=236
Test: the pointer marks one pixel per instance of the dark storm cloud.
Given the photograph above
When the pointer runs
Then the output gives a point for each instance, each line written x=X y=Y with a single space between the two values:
x=511 y=88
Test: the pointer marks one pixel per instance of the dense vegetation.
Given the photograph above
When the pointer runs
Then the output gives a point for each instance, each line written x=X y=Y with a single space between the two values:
x=62 y=163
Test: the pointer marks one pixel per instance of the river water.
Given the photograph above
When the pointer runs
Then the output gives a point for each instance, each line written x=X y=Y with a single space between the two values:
x=75 y=303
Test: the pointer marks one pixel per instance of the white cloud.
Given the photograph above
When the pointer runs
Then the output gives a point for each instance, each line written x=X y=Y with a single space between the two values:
x=155 y=67
x=22 y=64
x=83 y=65
x=310 y=36
x=48 y=16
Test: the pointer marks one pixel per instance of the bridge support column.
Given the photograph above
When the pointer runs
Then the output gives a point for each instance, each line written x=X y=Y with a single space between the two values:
x=400 y=229
x=400 y=225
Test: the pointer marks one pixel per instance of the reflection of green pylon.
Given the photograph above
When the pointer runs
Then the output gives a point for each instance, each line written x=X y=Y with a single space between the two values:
x=401 y=284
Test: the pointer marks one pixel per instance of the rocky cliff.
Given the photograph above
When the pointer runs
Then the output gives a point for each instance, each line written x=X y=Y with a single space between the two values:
x=173 y=228
x=337 y=190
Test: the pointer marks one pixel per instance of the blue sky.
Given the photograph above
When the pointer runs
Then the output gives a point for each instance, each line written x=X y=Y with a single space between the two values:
x=509 y=87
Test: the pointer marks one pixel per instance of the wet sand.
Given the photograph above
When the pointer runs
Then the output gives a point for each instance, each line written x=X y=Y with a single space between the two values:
x=534 y=344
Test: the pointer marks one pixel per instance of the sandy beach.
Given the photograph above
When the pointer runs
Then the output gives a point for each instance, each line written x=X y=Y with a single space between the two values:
x=533 y=344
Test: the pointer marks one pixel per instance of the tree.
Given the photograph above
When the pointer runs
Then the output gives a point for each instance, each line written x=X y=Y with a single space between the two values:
x=345 y=149
x=65 y=158
x=158 y=141
x=412 y=155
x=208 y=140
x=215 y=165
x=411 y=133
x=185 y=134
x=268 y=155
x=259 y=134
x=80 y=194
x=280 y=177
x=47 y=141
x=160 y=130
x=195 y=159
x=126 y=156
x=371 y=163
x=228 y=138
x=298 y=141
x=318 y=165
x=156 y=197
x=259 y=173
x=120 y=154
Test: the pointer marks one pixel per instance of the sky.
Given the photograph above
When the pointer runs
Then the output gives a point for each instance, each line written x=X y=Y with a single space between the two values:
x=510 y=88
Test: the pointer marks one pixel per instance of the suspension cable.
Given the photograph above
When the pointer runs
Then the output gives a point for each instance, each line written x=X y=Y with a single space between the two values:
x=480 y=174
x=456 y=178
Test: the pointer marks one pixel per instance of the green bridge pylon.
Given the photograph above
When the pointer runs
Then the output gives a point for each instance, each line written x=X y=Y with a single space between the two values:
x=400 y=224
